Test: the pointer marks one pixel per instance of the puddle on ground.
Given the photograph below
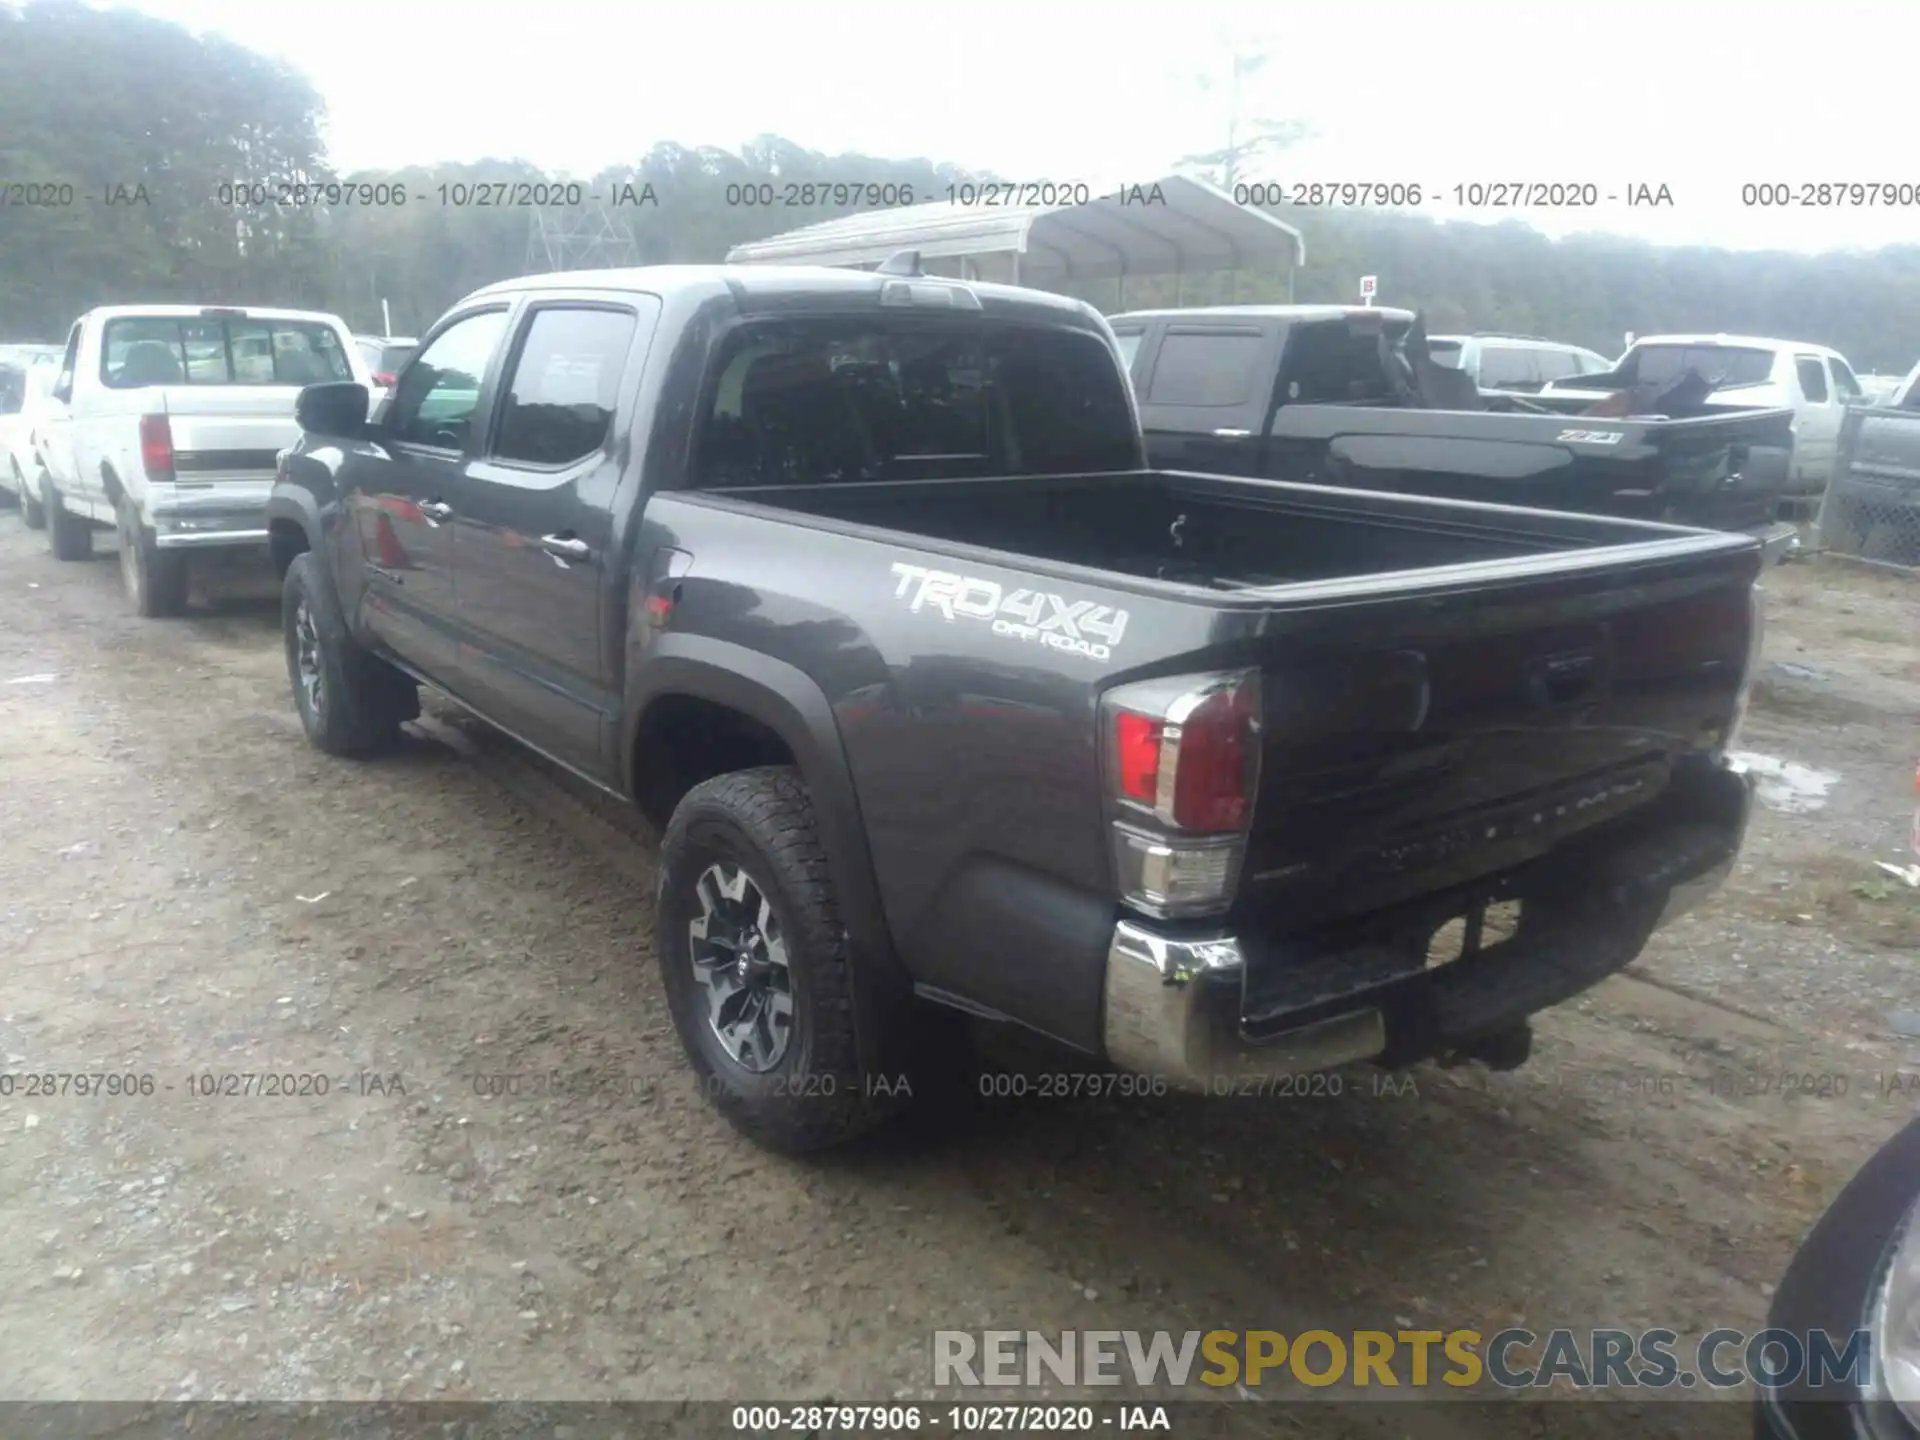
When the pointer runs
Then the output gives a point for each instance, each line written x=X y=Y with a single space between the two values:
x=1786 y=785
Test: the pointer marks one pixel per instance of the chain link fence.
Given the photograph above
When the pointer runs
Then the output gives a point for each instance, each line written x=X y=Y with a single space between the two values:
x=1871 y=509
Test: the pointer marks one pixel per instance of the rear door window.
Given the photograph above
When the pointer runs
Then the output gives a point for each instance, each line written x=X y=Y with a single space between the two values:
x=1557 y=364
x=1813 y=378
x=1214 y=368
x=1507 y=367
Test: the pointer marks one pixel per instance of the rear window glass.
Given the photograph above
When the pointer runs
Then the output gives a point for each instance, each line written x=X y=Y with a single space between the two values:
x=392 y=357
x=1205 y=368
x=1719 y=365
x=816 y=401
x=1129 y=346
x=1445 y=352
x=201 y=350
x=13 y=389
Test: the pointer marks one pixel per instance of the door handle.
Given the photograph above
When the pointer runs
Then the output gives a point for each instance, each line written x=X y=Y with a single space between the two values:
x=565 y=547
x=436 y=511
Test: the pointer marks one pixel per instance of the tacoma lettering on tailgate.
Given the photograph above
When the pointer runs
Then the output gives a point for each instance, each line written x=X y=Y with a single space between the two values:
x=1079 y=627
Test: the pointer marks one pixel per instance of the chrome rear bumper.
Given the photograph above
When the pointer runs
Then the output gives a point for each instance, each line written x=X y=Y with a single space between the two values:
x=206 y=515
x=1173 y=1010
x=1174 y=1001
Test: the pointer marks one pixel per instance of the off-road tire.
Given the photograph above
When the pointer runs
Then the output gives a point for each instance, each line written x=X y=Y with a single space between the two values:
x=818 y=1094
x=69 y=536
x=155 y=580
x=363 y=701
x=33 y=511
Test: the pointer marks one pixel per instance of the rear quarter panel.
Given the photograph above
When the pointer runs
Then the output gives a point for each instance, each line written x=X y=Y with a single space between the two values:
x=971 y=749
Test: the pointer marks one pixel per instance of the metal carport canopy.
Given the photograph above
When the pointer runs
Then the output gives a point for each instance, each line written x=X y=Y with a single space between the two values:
x=1188 y=227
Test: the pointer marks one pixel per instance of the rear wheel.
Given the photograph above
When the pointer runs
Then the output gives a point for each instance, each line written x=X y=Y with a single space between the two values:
x=155 y=580
x=755 y=963
x=68 y=535
x=350 y=702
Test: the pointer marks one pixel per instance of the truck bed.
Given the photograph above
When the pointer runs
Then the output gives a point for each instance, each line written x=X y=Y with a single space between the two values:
x=1453 y=691
x=1219 y=533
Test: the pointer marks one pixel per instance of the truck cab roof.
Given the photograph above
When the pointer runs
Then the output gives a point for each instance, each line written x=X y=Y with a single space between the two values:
x=195 y=312
x=775 y=282
x=1289 y=313
x=1745 y=342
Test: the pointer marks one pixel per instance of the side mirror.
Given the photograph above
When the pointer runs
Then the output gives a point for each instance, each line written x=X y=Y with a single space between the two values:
x=63 y=392
x=336 y=408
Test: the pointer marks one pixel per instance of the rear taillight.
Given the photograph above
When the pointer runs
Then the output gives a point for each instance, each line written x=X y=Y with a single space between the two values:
x=156 y=447
x=1184 y=765
x=384 y=380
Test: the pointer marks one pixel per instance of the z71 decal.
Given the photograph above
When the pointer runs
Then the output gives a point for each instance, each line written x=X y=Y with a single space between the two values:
x=1589 y=437
x=1039 y=616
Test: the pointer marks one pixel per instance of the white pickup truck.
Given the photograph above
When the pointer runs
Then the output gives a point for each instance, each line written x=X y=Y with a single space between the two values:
x=1747 y=372
x=167 y=422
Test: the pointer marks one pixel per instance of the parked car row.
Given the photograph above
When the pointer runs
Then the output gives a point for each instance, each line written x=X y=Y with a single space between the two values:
x=1167 y=686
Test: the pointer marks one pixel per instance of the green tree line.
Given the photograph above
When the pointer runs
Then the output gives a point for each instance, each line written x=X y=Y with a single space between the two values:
x=175 y=129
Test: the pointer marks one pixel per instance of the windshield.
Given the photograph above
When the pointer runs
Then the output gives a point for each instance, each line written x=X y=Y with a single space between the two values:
x=202 y=350
x=866 y=399
x=1718 y=365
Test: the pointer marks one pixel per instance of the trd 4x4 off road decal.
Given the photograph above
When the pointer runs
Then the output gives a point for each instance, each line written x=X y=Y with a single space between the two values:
x=1079 y=626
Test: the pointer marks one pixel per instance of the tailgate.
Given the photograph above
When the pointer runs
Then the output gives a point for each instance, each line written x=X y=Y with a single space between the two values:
x=1415 y=742
x=1724 y=472
x=229 y=431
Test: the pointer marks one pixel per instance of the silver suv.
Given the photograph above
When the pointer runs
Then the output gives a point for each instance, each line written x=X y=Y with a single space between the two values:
x=1514 y=364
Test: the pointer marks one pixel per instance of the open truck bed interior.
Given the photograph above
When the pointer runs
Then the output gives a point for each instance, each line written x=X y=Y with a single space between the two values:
x=1220 y=533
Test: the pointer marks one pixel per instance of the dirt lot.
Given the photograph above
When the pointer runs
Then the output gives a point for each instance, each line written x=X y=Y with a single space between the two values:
x=187 y=888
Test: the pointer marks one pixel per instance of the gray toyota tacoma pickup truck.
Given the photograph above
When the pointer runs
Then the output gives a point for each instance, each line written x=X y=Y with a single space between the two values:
x=859 y=587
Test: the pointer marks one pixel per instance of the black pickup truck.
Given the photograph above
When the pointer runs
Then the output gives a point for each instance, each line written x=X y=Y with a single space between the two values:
x=858 y=585
x=1324 y=394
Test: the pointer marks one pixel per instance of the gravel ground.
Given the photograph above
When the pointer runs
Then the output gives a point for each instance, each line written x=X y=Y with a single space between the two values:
x=186 y=888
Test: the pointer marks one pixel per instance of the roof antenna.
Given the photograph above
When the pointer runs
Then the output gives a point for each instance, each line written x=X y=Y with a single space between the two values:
x=901 y=262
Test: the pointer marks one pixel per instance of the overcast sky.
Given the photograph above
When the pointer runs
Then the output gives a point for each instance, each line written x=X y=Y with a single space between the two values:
x=1699 y=95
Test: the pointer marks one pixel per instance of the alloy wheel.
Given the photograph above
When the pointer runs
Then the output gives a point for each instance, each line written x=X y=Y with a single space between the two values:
x=739 y=957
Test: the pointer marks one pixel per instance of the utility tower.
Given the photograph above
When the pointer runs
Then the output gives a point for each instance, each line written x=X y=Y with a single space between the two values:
x=590 y=237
